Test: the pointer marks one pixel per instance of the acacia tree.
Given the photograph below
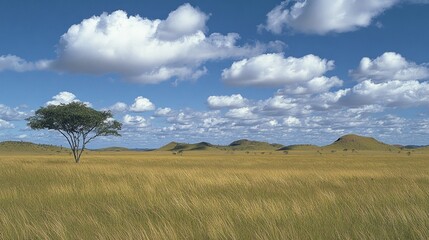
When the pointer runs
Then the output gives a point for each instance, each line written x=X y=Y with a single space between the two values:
x=78 y=123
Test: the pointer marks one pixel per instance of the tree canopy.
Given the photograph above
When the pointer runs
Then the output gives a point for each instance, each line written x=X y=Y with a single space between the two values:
x=78 y=123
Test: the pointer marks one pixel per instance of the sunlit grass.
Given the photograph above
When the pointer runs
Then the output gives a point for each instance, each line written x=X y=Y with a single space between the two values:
x=234 y=195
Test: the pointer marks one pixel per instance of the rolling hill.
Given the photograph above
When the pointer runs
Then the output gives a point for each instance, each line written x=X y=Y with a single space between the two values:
x=240 y=145
x=357 y=142
x=348 y=142
x=300 y=147
x=112 y=149
x=248 y=145
x=174 y=147
x=28 y=147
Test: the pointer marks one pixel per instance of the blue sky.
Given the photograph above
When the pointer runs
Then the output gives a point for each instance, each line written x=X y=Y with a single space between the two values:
x=286 y=72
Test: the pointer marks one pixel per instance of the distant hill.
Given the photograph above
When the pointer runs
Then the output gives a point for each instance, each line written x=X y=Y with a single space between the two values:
x=357 y=142
x=414 y=147
x=248 y=145
x=174 y=146
x=240 y=145
x=301 y=147
x=112 y=149
x=28 y=147
x=424 y=148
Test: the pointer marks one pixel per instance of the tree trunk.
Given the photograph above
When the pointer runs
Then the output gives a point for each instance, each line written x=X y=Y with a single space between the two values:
x=79 y=154
x=76 y=155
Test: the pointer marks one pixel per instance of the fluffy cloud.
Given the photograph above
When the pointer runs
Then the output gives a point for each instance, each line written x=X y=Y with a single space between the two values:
x=182 y=118
x=389 y=66
x=11 y=114
x=162 y=112
x=278 y=102
x=142 y=104
x=390 y=94
x=214 y=122
x=22 y=136
x=185 y=20
x=135 y=121
x=14 y=63
x=65 y=98
x=5 y=124
x=273 y=123
x=386 y=81
x=276 y=70
x=291 y=121
x=118 y=107
x=233 y=101
x=328 y=100
x=153 y=51
x=324 y=16
x=315 y=85
x=241 y=113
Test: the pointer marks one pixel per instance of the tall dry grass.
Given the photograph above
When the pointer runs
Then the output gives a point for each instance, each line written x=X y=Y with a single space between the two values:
x=301 y=195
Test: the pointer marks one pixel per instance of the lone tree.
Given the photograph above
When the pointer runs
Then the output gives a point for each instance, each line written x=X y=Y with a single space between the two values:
x=78 y=123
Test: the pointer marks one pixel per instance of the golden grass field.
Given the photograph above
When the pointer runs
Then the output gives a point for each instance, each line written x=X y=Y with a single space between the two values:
x=215 y=195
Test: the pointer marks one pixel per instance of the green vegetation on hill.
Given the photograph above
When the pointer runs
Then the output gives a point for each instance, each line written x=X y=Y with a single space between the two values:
x=113 y=149
x=300 y=147
x=28 y=147
x=175 y=147
x=349 y=142
x=357 y=142
x=240 y=145
x=248 y=145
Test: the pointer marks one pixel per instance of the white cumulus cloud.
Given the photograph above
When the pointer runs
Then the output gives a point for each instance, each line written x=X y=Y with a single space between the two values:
x=278 y=102
x=5 y=124
x=162 y=112
x=15 y=63
x=315 y=85
x=291 y=121
x=135 y=121
x=11 y=114
x=214 y=122
x=118 y=107
x=389 y=66
x=324 y=16
x=276 y=70
x=142 y=104
x=183 y=21
x=390 y=94
x=22 y=136
x=233 y=101
x=144 y=50
x=65 y=98
x=241 y=113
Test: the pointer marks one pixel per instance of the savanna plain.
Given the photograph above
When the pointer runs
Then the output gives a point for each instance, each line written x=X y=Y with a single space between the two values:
x=304 y=194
